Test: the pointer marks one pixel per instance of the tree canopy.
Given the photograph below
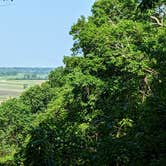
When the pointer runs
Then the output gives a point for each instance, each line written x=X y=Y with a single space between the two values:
x=106 y=106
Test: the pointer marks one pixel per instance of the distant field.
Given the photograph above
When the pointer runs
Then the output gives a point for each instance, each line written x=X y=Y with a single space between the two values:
x=14 y=80
x=13 y=88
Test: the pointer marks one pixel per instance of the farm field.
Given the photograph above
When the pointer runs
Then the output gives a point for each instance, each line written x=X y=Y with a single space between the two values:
x=13 y=88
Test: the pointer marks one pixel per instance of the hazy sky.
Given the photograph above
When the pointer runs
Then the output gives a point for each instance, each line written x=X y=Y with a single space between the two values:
x=36 y=32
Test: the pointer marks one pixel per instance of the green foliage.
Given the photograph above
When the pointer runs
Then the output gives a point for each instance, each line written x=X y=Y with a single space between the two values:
x=106 y=105
x=37 y=97
x=14 y=119
x=56 y=77
x=148 y=4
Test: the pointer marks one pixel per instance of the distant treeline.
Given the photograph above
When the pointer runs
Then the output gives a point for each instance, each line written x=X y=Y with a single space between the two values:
x=25 y=72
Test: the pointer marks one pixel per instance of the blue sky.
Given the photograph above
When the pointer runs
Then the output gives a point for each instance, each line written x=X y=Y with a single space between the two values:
x=35 y=33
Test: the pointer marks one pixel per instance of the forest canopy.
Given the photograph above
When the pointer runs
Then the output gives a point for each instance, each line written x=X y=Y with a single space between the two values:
x=106 y=106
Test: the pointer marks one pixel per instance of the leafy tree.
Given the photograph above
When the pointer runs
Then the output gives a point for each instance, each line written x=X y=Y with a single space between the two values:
x=106 y=105
x=148 y=4
x=37 y=97
x=14 y=119
x=56 y=77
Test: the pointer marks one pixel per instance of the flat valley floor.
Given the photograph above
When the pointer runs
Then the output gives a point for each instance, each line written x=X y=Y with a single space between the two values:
x=13 y=88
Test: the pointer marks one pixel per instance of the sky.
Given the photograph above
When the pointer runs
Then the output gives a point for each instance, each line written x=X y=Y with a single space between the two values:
x=35 y=33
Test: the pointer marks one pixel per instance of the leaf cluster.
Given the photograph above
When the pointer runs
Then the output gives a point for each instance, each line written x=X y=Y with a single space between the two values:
x=106 y=106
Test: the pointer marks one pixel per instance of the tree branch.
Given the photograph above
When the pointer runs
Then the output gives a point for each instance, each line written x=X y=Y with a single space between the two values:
x=157 y=20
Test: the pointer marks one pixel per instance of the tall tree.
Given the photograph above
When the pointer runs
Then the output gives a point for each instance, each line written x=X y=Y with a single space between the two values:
x=107 y=103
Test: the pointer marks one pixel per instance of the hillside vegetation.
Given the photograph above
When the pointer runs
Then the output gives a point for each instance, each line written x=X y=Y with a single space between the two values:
x=106 y=106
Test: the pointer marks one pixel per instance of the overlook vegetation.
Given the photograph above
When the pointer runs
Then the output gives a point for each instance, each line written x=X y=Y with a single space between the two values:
x=106 y=106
